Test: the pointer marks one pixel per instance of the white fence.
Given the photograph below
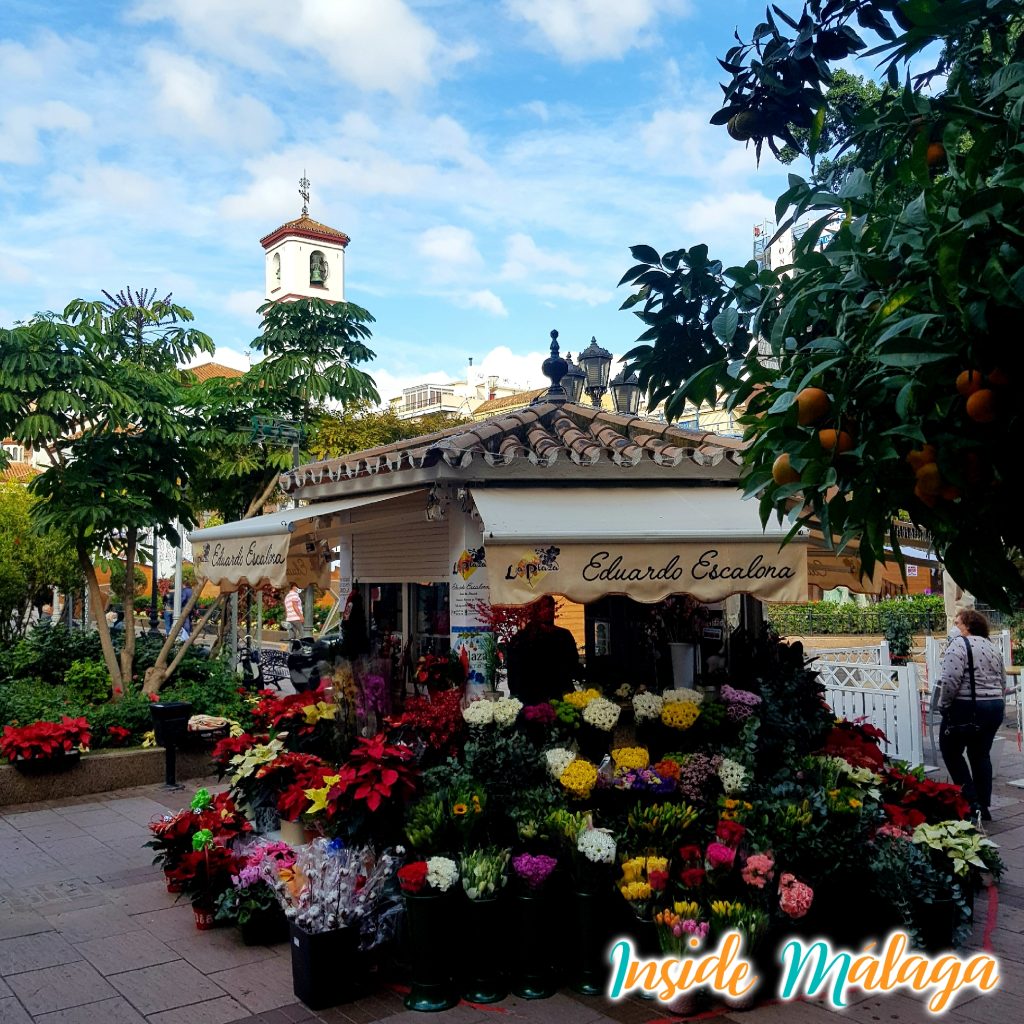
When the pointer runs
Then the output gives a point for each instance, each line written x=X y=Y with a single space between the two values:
x=886 y=696
x=877 y=654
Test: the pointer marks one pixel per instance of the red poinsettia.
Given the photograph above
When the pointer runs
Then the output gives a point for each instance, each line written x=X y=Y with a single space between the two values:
x=730 y=832
x=436 y=719
x=231 y=746
x=292 y=801
x=205 y=872
x=932 y=801
x=118 y=735
x=288 y=713
x=288 y=776
x=413 y=876
x=375 y=772
x=44 y=739
x=857 y=743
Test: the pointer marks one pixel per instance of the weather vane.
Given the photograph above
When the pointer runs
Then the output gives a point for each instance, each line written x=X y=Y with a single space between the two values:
x=304 y=192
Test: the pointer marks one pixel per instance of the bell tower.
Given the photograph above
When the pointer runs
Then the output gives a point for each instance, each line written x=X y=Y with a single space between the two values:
x=304 y=258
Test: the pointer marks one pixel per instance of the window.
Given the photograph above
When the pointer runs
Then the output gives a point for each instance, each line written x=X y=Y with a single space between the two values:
x=15 y=452
x=277 y=267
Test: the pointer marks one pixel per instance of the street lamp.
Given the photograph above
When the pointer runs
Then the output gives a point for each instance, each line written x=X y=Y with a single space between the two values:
x=626 y=393
x=596 y=363
x=573 y=380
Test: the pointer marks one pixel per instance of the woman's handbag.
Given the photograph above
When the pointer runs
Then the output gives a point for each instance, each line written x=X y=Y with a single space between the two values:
x=969 y=728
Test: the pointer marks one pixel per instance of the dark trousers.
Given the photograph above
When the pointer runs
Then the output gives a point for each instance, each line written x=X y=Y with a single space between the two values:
x=975 y=781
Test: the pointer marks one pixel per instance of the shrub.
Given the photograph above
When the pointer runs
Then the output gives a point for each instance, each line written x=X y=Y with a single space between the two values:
x=89 y=679
x=131 y=713
x=922 y=613
x=47 y=651
x=28 y=700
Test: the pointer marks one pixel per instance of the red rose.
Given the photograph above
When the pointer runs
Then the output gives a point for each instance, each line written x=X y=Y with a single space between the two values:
x=691 y=853
x=693 y=878
x=413 y=876
x=730 y=832
x=657 y=880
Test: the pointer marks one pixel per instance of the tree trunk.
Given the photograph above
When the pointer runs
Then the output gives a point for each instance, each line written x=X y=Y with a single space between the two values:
x=161 y=671
x=106 y=643
x=128 y=651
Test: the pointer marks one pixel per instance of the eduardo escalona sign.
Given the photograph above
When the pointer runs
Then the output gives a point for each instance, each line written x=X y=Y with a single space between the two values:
x=648 y=572
x=253 y=560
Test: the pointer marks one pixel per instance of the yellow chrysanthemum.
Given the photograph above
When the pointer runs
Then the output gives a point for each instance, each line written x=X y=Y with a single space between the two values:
x=581 y=698
x=579 y=778
x=681 y=715
x=626 y=758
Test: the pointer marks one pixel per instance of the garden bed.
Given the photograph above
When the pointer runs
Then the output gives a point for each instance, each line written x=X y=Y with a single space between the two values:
x=99 y=773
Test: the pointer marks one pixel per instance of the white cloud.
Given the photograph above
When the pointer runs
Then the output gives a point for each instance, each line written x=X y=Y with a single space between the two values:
x=526 y=259
x=20 y=128
x=225 y=356
x=683 y=143
x=13 y=270
x=725 y=221
x=585 y=30
x=484 y=299
x=449 y=248
x=376 y=45
x=244 y=304
x=190 y=96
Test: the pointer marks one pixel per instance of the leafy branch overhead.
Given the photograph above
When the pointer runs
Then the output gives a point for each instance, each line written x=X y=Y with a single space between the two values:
x=877 y=370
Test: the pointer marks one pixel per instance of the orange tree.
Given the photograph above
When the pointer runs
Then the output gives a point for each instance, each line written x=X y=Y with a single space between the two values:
x=903 y=296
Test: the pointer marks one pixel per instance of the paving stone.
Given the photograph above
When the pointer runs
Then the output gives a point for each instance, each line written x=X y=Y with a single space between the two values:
x=143 y=897
x=28 y=818
x=165 y=987
x=49 y=832
x=213 y=1011
x=261 y=986
x=24 y=922
x=107 y=1011
x=4 y=989
x=113 y=954
x=94 y=815
x=29 y=952
x=119 y=828
x=57 y=988
x=219 y=950
x=12 y=1012
x=175 y=922
x=92 y=923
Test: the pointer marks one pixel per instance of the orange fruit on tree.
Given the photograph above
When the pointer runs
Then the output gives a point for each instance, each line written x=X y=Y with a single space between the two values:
x=998 y=378
x=969 y=381
x=812 y=404
x=981 y=406
x=919 y=457
x=928 y=499
x=838 y=440
x=936 y=154
x=929 y=480
x=782 y=472
x=974 y=469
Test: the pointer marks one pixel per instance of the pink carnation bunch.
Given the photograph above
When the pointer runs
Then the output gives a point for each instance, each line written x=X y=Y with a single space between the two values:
x=759 y=869
x=795 y=898
x=720 y=856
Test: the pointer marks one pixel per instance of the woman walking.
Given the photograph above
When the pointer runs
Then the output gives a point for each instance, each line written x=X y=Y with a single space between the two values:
x=972 y=702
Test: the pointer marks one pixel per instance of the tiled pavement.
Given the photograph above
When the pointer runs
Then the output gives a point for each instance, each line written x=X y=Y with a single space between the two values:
x=89 y=934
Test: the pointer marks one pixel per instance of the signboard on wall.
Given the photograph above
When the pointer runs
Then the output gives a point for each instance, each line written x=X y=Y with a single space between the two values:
x=469 y=588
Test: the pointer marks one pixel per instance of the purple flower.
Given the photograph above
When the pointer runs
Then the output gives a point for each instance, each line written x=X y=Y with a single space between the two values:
x=534 y=871
x=743 y=697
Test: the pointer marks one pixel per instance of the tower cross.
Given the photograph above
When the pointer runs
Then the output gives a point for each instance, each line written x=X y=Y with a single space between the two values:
x=304 y=192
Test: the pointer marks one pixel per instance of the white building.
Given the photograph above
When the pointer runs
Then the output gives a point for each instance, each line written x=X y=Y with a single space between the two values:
x=457 y=397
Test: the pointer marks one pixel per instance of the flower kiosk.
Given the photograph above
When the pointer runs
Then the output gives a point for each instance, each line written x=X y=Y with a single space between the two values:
x=463 y=847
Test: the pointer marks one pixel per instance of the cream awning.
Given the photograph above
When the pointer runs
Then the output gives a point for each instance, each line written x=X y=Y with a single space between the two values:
x=647 y=543
x=276 y=549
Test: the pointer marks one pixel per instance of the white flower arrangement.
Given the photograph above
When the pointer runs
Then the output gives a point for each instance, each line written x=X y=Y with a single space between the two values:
x=602 y=714
x=597 y=845
x=558 y=759
x=733 y=775
x=442 y=873
x=479 y=713
x=505 y=711
x=683 y=696
x=647 y=707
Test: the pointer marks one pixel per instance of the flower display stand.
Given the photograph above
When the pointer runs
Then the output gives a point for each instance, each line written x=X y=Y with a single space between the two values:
x=684 y=665
x=591 y=935
x=534 y=939
x=326 y=966
x=484 y=923
x=430 y=923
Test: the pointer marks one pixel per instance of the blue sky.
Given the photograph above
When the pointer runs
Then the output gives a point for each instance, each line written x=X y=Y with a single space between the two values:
x=492 y=161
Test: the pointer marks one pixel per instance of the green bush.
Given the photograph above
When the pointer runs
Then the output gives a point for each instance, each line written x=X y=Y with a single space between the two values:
x=131 y=712
x=89 y=679
x=47 y=652
x=24 y=701
x=901 y=617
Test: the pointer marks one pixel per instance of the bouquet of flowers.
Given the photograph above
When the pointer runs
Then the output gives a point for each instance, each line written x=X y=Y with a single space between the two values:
x=440 y=672
x=484 y=872
x=333 y=886
x=625 y=758
x=678 y=926
x=601 y=714
x=435 y=721
x=647 y=707
x=595 y=855
x=436 y=874
x=579 y=778
x=250 y=895
x=643 y=878
x=644 y=780
x=533 y=871
x=658 y=826
x=680 y=715
x=739 y=704
x=731 y=915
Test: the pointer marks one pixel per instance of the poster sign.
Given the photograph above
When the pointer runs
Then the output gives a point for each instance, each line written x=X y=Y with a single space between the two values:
x=706 y=570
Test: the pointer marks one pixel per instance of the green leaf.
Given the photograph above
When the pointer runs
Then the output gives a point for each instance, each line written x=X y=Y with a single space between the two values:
x=645 y=254
x=724 y=325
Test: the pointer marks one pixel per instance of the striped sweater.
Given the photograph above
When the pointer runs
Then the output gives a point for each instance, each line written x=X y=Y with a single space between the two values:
x=989 y=672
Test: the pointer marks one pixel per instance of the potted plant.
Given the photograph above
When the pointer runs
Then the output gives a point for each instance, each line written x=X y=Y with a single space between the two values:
x=204 y=873
x=484 y=874
x=427 y=888
x=250 y=902
x=45 y=746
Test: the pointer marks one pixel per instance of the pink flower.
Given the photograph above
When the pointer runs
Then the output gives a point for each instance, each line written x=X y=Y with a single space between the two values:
x=720 y=856
x=758 y=870
x=795 y=898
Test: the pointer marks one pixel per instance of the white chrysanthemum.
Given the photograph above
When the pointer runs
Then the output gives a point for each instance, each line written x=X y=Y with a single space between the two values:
x=442 y=873
x=558 y=759
x=597 y=845
x=505 y=711
x=647 y=706
x=733 y=775
x=480 y=712
x=683 y=696
x=602 y=714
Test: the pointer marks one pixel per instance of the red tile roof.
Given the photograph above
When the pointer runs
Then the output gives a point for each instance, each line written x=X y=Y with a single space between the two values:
x=520 y=400
x=18 y=473
x=305 y=227
x=207 y=371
